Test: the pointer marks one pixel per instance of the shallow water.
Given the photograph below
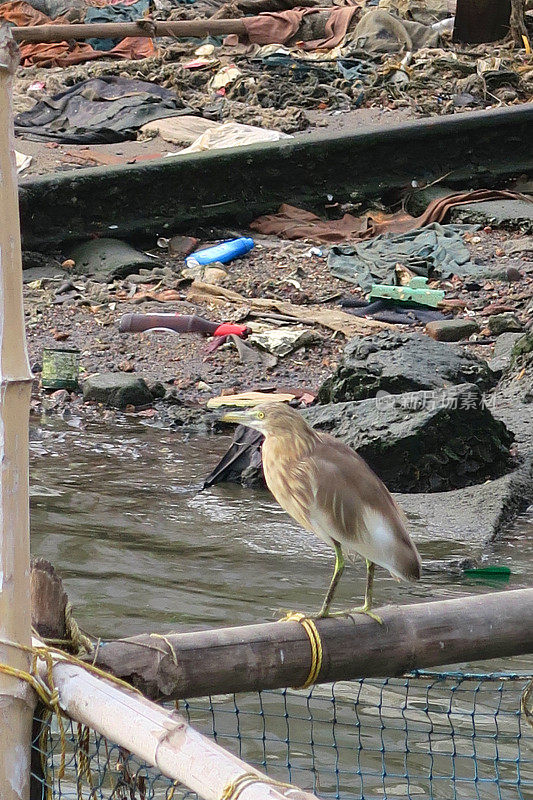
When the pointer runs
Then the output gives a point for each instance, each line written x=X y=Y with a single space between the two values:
x=117 y=509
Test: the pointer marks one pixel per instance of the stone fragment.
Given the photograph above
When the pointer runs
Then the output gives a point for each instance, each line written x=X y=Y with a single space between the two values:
x=428 y=441
x=117 y=389
x=509 y=214
x=401 y=362
x=502 y=323
x=503 y=350
x=451 y=330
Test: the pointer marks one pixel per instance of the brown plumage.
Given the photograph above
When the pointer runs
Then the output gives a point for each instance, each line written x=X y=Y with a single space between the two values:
x=329 y=490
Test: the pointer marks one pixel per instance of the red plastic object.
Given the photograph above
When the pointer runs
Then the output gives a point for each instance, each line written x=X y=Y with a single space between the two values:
x=230 y=328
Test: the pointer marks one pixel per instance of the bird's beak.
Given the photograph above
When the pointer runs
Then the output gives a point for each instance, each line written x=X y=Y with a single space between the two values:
x=239 y=417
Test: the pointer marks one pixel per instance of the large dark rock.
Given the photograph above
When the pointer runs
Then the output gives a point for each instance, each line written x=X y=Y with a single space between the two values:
x=401 y=362
x=415 y=442
x=422 y=441
x=117 y=389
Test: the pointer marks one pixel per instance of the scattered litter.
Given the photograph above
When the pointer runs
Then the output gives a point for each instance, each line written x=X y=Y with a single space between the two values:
x=249 y=399
x=415 y=292
x=225 y=252
x=98 y=110
x=282 y=341
x=231 y=134
x=23 y=161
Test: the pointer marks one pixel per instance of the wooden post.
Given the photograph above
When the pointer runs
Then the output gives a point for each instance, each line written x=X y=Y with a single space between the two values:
x=16 y=698
x=158 y=736
x=278 y=654
x=478 y=21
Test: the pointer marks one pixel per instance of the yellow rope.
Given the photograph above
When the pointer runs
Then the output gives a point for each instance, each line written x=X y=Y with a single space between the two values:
x=316 y=644
x=234 y=789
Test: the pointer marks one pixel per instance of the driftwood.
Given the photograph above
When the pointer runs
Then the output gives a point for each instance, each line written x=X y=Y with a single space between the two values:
x=274 y=655
x=48 y=606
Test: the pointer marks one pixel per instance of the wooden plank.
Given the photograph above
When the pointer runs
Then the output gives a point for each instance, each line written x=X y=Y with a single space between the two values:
x=158 y=736
x=275 y=655
x=16 y=698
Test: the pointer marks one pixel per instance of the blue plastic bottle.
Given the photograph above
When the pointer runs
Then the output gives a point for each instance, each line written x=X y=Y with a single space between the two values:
x=224 y=252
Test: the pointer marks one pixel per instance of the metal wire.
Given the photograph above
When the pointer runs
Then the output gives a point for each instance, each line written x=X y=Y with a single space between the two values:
x=430 y=735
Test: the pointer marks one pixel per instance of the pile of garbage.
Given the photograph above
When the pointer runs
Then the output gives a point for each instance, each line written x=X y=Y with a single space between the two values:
x=290 y=69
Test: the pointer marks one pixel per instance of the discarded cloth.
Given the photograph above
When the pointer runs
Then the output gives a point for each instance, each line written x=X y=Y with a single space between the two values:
x=433 y=251
x=387 y=311
x=232 y=134
x=100 y=110
x=64 y=54
x=380 y=32
x=281 y=27
x=296 y=223
x=117 y=12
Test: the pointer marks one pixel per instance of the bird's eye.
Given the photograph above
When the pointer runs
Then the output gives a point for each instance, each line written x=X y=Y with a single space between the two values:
x=260 y=415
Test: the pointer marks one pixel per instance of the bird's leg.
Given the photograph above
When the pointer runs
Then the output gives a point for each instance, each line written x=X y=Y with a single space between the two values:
x=337 y=572
x=364 y=609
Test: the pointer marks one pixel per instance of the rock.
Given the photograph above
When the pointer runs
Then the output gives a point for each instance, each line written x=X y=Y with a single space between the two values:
x=214 y=275
x=182 y=246
x=421 y=441
x=508 y=214
x=502 y=323
x=470 y=517
x=108 y=258
x=117 y=389
x=157 y=390
x=452 y=330
x=503 y=350
x=401 y=362
x=282 y=341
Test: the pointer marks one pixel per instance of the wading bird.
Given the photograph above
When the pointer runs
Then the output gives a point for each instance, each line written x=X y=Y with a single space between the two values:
x=329 y=490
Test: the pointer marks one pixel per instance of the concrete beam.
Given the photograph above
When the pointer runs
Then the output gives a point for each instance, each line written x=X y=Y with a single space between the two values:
x=236 y=185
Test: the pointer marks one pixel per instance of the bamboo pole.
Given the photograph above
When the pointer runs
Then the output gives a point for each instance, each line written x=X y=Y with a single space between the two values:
x=158 y=736
x=275 y=655
x=16 y=698
x=119 y=30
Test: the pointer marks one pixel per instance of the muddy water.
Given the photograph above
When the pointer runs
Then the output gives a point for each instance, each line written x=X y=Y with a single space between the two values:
x=118 y=510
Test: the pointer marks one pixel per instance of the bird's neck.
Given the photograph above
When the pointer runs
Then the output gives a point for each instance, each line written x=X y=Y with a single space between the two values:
x=301 y=445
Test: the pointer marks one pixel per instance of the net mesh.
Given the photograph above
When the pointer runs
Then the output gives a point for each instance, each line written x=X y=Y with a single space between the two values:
x=442 y=736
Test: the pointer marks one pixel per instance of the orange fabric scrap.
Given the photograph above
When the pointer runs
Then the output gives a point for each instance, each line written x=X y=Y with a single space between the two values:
x=296 y=223
x=64 y=54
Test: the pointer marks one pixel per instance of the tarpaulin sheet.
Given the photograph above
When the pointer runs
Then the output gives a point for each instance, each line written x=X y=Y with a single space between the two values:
x=100 y=110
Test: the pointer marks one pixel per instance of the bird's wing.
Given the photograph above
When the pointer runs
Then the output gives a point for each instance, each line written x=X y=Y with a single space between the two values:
x=352 y=506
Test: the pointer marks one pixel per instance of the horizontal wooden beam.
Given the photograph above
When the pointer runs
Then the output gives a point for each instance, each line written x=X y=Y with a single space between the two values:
x=119 y=30
x=275 y=655
x=235 y=185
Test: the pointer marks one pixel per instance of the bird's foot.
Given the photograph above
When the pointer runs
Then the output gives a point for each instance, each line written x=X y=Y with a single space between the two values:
x=360 y=610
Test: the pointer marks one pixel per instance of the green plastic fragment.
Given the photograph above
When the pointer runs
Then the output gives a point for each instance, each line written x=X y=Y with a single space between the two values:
x=415 y=292
x=500 y=572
